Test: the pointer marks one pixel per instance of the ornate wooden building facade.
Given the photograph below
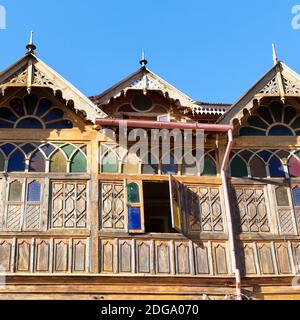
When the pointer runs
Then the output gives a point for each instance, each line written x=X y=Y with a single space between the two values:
x=69 y=203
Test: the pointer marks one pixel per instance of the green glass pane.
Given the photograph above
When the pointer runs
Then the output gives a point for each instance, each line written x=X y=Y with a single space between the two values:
x=2 y=161
x=209 y=167
x=282 y=197
x=110 y=163
x=238 y=168
x=15 y=191
x=79 y=163
x=68 y=150
x=58 y=163
x=296 y=124
x=30 y=103
x=133 y=193
x=298 y=154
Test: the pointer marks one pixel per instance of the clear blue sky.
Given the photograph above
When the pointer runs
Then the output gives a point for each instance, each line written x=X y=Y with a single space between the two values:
x=211 y=50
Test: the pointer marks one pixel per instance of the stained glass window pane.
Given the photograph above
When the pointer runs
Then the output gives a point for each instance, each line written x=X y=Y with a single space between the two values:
x=134 y=218
x=210 y=168
x=289 y=114
x=275 y=168
x=258 y=168
x=131 y=165
x=15 y=191
x=6 y=113
x=68 y=150
x=54 y=114
x=79 y=163
x=296 y=196
x=7 y=148
x=110 y=163
x=16 y=162
x=296 y=123
x=256 y=122
x=29 y=123
x=265 y=155
x=5 y=124
x=265 y=114
x=34 y=191
x=44 y=105
x=294 y=167
x=28 y=148
x=169 y=168
x=58 y=163
x=47 y=149
x=277 y=110
x=37 y=162
x=17 y=105
x=282 y=197
x=133 y=193
x=247 y=131
x=238 y=168
x=150 y=169
x=30 y=103
x=279 y=130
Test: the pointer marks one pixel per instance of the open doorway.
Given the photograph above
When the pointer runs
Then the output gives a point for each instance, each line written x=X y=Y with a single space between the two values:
x=157 y=207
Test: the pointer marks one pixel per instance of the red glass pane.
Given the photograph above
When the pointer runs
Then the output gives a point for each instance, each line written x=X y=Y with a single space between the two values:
x=294 y=167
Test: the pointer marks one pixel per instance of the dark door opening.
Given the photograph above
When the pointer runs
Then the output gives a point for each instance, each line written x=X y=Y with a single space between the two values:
x=157 y=207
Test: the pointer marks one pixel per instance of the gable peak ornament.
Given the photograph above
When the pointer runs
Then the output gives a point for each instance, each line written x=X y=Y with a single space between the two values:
x=31 y=46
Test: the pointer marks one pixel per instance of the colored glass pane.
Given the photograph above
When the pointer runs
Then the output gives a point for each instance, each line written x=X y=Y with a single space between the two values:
x=247 y=131
x=58 y=163
x=78 y=163
x=280 y=130
x=43 y=107
x=282 y=197
x=134 y=218
x=54 y=114
x=210 y=168
x=110 y=163
x=289 y=114
x=258 y=168
x=30 y=101
x=16 y=162
x=68 y=149
x=277 y=111
x=17 y=105
x=133 y=193
x=34 y=191
x=37 y=162
x=265 y=114
x=275 y=168
x=296 y=196
x=15 y=191
x=238 y=168
x=294 y=167
x=6 y=114
x=256 y=122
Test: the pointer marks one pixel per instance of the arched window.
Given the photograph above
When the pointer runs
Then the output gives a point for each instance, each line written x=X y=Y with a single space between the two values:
x=34 y=191
x=133 y=193
x=31 y=113
x=15 y=191
x=110 y=163
x=78 y=163
x=276 y=168
x=58 y=162
x=16 y=162
x=238 y=167
x=274 y=120
x=294 y=167
x=258 y=167
x=37 y=162
x=131 y=164
x=210 y=168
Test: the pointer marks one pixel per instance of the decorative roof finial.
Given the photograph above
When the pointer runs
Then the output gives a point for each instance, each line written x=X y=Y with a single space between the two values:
x=31 y=47
x=143 y=62
x=275 y=59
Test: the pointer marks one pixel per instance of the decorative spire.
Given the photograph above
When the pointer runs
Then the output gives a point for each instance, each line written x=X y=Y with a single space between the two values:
x=143 y=62
x=31 y=47
x=275 y=59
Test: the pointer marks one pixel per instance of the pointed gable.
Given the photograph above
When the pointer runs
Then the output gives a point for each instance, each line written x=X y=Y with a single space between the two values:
x=280 y=81
x=31 y=72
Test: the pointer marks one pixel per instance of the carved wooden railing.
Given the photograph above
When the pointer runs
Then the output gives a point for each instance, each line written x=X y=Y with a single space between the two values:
x=164 y=257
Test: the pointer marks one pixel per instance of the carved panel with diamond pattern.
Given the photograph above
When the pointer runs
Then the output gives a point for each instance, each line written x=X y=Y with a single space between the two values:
x=250 y=207
x=204 y=209
x=69 y=205
x=112 y=206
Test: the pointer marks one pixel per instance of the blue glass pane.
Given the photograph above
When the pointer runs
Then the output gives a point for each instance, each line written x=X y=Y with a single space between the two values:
x=44 y=105
x=16 y=162
x=37 y=162
x=28 y=148
x=275 y=167
x=4 y=124
x=265 y=114
x=265 y=155
x=134 y=218
x=298 y=133
x=7 y=148
x=30 y=123
x=30 y=101
x=289 y=114
x=64 y=124
x=34 y=191
x=247 y=131
x=5 y=113
x=280 y=131
x=277 y=110
x=17 y=105
x=296 y=196
x=54 y=114
x=47 y=149
x=256 y=122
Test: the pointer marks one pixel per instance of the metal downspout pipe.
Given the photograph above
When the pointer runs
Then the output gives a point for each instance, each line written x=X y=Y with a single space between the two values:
x=229 y=216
